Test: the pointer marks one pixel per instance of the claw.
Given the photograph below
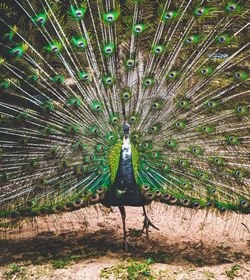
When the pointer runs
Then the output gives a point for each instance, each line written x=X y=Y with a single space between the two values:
x=147 y=223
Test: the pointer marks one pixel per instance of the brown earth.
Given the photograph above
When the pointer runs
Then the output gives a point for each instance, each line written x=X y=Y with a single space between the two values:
x=87 y=244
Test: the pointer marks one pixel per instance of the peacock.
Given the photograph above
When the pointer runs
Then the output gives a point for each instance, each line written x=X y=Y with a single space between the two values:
x=122 y=103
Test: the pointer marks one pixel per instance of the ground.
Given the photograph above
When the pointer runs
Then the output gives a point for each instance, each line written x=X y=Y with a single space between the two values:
x=87 y=244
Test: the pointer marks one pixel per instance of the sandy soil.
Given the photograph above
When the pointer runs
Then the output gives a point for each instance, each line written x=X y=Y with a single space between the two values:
x=87 y=244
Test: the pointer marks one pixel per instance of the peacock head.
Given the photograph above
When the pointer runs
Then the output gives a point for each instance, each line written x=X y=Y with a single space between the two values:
x=125 y=129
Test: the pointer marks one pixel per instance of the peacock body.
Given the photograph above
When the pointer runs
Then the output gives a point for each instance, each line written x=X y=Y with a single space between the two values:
x=123 y=103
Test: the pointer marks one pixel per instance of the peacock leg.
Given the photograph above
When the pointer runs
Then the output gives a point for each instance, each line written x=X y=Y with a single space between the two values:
x=123 y=214
x=147 y=223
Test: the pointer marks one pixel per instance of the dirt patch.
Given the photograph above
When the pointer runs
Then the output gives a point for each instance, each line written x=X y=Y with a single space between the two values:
x=87 y=244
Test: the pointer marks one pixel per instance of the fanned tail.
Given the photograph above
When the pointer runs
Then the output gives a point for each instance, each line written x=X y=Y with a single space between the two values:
x=73 y=73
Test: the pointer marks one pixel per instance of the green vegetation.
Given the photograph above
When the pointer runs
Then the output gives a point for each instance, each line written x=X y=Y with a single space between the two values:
x=132 y=270
x=12 y=270
x=60 y=263
x=231 y=273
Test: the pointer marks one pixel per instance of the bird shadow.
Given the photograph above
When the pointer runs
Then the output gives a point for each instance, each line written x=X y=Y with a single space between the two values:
x=48 y=246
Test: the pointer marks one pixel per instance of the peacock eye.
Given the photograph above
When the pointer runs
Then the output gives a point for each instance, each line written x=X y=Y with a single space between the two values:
x=100 y=189
x=110 y=17
x=111 y=138
x=173 y=199
x=132 y=119
x=145 y=187
x=201 y=175
x=78 y=13
x=203 y=71
x=148 y=82
x=185 y=201
x=156 y=105
x=158 y=49
x=98 y=107
x=168 y=15
x=216 y=160
x=17 y=52
x=231 y=8
x=115 y=120
x=149 y=194
x=199 y=12
x=181 y=103
x=130 y=63
x=40 y=20
x=157 y=192
x=126 y=95
x=79 y=145
x=221 y=39
x=196 y=205
x=232 y=139
x=138 y=28
x=203 y=128
x=54 y=49
x=81 y=44
x=109 y=81
x=172 y=75
x=95 y=130
x=238 y=75
x=85 y=77
x=3 y=86
x=59 y=80
x=179 y=124
x=213 y=191
x=189 y=40
x=76 y=102
x=223 y=209
x=240 y=109
x=243 y=203
x=165 y=166
x=108 y=49
x=194 y=150
x=94 y=196
x=145 y=167
x=209 y=204
x=86 y=192
x=210 y=104
x=166 y=196
x=33 y=78
x=43 y=211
